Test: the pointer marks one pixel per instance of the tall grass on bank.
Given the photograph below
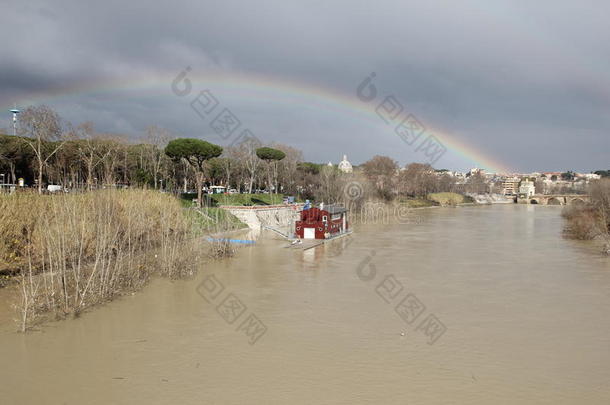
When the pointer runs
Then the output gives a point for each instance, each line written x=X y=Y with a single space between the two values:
x=220 y=248
x=581 y=222
x=209 y=220
x=77 y=250
x=383 y=212
x=591 y=220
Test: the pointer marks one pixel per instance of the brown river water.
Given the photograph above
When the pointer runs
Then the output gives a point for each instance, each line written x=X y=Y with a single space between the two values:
x=474 y=305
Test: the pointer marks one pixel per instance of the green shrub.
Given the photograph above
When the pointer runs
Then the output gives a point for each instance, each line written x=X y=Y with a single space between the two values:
x=445 y=199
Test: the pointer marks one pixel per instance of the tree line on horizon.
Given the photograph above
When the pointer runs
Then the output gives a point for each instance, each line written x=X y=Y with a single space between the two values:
x=48 y=150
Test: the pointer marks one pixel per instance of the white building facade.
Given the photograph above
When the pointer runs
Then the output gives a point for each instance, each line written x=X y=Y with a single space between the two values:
x=527 y=188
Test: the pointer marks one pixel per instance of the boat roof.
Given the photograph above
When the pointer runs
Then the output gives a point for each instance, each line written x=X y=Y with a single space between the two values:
x=334 y=209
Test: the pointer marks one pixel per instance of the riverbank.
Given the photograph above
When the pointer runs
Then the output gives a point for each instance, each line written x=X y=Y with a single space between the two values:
x=591 y=220
x=448 y=199
x=70 y=252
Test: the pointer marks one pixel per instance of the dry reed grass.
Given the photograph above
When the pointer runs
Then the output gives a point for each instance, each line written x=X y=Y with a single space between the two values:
x=73 y=251
x=591 y=220
x=220 y=248
x=383 y=213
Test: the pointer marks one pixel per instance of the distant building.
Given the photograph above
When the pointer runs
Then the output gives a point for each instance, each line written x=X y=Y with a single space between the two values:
x=460 y=178
x=510 y=185
x=554 y=176
x=345 y=166
x=589 y=176
x=527 y=188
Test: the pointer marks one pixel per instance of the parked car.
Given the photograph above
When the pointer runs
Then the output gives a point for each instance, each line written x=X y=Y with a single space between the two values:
x=53 y=188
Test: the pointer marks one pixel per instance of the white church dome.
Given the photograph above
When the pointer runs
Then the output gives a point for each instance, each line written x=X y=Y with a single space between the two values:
x=345 y=166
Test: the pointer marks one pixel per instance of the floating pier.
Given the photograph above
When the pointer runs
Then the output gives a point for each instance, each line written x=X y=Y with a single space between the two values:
x=304 y=244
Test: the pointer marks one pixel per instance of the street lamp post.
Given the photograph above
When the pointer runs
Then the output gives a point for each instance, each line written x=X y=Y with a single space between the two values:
x=15 y=111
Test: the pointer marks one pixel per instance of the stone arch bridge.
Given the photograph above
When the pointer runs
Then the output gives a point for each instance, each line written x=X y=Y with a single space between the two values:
x=554 y=199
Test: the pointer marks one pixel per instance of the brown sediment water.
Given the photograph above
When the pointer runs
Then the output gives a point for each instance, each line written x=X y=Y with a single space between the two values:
x=525 y=312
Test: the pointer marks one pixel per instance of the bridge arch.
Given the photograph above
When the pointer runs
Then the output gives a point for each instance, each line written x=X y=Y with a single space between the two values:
x=577 y=201
x=533 y=201
x=554 y=201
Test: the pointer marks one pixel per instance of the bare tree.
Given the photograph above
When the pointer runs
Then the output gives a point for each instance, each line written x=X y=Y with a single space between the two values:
x=476 y=183
x=445 y=183
x=65 y=165
x=113 y=149
x=330 y=185
x=230 y=164
x=418 y=179
x=381 y=171
x=288 y=167
x=156 y=140
x=247 y=154
x=42 y=129
x=91 y=150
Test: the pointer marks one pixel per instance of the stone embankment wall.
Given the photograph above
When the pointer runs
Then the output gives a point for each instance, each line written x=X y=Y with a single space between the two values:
x=275 y=216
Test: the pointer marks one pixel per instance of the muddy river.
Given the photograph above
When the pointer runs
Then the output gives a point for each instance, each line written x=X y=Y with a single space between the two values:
x=474 y=305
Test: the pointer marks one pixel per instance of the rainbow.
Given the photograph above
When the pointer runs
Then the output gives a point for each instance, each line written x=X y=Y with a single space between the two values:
x=270 y=88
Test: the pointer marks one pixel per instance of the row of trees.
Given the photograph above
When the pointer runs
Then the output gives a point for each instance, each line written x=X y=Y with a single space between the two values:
x=49 y=150
x=416 y=179
x=198 y=153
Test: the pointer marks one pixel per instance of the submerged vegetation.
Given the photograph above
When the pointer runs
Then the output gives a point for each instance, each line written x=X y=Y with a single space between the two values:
x=73 y=251
x=591 y=220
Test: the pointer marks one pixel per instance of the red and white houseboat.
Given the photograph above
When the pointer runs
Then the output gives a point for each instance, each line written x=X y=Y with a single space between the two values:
x=326 y=222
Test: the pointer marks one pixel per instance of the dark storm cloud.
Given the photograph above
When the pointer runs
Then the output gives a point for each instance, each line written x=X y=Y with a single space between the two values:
x=525 y=82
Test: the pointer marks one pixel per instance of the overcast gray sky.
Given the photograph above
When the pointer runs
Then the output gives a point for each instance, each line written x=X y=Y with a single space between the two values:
x=517 y=84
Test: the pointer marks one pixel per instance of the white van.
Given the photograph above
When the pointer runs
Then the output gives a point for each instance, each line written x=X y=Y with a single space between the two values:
x=52 y=188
